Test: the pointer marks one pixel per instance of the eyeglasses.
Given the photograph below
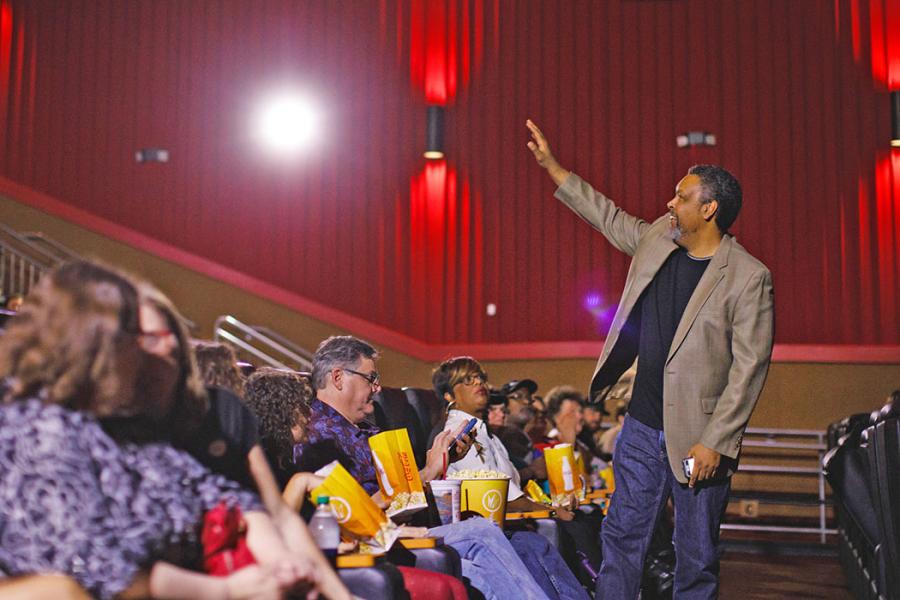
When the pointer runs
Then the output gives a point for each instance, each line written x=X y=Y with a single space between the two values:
x=474 y=379
x=518 y=397
x=373 y=378
x=153 y=340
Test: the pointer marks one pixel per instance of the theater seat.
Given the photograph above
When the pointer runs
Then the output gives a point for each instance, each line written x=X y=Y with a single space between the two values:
x=428 y=407
x=849 y=472
x=433 y=555
x=884 y=462
x=376 y=582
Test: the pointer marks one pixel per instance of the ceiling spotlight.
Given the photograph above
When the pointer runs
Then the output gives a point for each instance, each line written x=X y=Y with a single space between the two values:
x=287 y=123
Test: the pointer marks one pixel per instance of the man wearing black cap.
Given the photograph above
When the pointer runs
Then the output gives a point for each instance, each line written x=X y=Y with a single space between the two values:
x=519 y=393
x=514 y=439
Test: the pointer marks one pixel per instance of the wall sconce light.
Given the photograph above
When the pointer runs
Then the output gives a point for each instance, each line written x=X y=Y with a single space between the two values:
x=895 y=119
x=148 y=155
x=695 y=138
x=434 y=143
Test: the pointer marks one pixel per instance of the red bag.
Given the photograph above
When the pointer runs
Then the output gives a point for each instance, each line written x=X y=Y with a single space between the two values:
x=224 y=539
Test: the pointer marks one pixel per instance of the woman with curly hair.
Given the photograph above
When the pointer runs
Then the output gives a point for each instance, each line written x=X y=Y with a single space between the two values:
x=108 y=511
x=226 y=440
x=280 y=399
x=218 y=366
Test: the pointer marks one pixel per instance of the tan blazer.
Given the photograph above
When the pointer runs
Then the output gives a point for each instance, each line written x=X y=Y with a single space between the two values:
x=719 y=358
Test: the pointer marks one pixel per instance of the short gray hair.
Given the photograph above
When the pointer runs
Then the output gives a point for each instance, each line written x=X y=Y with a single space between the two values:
x=337 y=352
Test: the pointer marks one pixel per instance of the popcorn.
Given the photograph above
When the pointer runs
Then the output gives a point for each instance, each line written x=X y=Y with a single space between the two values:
x=404 y=499
x=477 y=474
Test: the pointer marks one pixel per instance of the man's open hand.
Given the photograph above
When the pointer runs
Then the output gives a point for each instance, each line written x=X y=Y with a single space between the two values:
x=541 y=150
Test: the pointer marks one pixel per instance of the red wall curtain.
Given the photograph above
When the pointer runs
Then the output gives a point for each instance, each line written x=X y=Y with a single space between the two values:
x=796 y=93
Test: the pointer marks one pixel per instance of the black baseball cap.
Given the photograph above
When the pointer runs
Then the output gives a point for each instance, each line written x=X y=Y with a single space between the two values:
x=515 y=384
x=496 y=397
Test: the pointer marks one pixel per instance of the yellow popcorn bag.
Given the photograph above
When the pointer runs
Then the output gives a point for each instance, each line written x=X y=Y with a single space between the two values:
x=398 y=474
x=356 y=513
x=562 y=472
x=535 y=492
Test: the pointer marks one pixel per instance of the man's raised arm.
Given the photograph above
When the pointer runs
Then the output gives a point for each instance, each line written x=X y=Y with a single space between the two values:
x=620 y=228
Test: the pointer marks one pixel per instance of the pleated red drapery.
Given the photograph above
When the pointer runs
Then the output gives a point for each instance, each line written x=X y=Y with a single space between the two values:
x=796 y=92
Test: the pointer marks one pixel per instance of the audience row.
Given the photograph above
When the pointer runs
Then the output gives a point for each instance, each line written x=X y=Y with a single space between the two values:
x=125 y=460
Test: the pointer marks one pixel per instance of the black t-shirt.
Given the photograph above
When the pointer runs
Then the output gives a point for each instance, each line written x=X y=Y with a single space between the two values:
x=228 y=433
x=659 y=311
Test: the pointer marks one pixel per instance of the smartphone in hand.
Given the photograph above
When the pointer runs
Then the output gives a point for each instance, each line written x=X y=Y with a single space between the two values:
x=469 y=426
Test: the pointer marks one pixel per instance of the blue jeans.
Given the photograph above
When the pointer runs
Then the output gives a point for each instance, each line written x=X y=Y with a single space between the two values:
x=546 y=566
x=488 y=559
x=644 y=482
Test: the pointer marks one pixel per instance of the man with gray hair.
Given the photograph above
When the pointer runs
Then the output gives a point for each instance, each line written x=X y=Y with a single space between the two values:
x=345 y=381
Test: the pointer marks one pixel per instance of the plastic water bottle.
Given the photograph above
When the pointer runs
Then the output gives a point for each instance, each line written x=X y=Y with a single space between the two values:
x=325 y=529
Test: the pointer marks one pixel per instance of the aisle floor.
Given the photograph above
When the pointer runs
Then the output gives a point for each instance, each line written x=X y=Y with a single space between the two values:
x=762 y=576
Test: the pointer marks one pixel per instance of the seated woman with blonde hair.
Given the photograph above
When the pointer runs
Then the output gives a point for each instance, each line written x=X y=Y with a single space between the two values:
x=91 y=490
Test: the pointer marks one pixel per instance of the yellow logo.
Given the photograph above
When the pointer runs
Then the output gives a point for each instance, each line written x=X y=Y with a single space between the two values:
x=492 y=501
x=341 y=508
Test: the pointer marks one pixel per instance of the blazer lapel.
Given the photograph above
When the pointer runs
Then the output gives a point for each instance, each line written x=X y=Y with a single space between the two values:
x=714 y=273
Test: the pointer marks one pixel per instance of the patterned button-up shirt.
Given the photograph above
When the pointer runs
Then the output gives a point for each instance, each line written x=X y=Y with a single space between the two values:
x=325 y=423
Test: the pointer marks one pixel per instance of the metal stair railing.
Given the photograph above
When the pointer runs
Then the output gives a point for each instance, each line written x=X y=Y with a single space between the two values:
x=61 y=252
x=262 y=344
x=22 y=262
x=799 y=444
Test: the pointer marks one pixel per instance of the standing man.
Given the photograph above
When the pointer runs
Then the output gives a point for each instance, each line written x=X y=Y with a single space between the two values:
x=697 y=311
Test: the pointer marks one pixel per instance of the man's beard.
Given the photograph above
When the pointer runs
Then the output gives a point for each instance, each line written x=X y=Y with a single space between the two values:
x=673 y=232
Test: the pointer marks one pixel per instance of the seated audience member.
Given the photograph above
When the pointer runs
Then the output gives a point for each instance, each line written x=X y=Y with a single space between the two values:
x=565 y=413
x=280 y=399
x=591 y=432
x=463 y=384
x=497 y=411
x=112 y=510
x=14 y=303
x=538 y=427
x=609 y=437
x=344 y=379
x=517 y=444
x=218 y=366
x=519 y=394
x=224 y=435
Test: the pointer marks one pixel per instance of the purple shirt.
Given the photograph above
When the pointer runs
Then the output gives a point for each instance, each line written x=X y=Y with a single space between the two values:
x=74 y=501
x=327 y=424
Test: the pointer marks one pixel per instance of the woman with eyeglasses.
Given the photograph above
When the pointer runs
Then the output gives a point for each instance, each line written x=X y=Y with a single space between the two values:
x=462 y=383
x=90 y=490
